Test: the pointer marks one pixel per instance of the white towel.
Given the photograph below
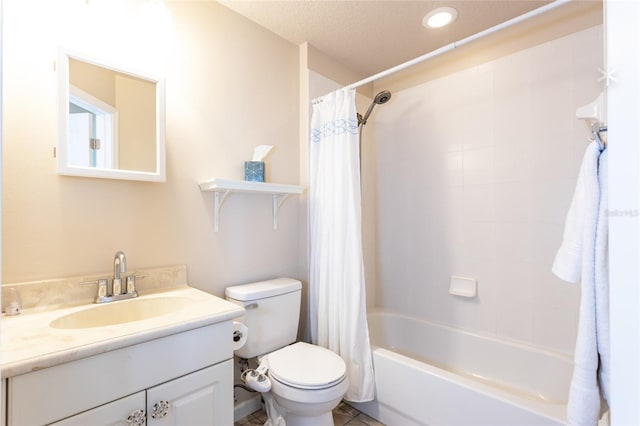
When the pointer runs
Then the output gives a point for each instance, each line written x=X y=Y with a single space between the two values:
x=602 y=278
x=583 y=255
x=568 y=262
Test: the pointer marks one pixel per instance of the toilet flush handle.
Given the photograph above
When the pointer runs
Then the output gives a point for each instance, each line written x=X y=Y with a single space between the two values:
x=251 y=306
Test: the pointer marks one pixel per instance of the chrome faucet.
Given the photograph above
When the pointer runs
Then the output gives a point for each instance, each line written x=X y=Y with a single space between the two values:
x=119 y=267
x=118 y=291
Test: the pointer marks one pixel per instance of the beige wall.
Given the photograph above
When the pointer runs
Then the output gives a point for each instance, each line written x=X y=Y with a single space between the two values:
x=136 y=104
x=328 y=67
x=97 y=81
x=230 y=85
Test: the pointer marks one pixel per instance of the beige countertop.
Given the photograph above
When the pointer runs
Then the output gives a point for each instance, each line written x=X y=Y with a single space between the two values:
x=29 y=343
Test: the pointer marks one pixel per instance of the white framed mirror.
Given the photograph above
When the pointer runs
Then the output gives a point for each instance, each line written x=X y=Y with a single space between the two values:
x=111 y=121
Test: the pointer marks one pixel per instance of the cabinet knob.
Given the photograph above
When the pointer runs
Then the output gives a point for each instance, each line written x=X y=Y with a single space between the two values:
x=137 y=418
x=160 y=409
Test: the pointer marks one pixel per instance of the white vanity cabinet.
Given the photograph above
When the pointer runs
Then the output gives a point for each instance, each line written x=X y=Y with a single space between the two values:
x=189 y=400
x=181 y=379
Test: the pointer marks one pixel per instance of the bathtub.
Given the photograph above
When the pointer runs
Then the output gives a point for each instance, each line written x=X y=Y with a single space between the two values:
x=431 y=374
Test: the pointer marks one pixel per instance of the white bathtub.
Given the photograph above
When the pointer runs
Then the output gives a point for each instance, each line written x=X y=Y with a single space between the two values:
x=430 y=374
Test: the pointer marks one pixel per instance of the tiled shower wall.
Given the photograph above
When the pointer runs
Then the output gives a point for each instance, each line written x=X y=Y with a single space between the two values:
x=475 y=173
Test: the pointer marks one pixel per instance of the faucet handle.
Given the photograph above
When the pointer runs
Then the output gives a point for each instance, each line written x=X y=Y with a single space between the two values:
x=102 y=286
x=131 y=284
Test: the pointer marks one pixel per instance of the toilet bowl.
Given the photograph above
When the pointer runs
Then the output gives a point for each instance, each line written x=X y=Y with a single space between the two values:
x=308 y=382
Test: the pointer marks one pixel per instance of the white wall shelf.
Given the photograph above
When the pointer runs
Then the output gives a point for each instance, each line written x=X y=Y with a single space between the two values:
x=221 y=189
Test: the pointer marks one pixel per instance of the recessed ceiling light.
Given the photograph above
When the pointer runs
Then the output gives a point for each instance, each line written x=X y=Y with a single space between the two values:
x=440 y=17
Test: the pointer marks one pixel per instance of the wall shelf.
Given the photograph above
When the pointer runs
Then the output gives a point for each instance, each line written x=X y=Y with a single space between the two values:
x=222 y=188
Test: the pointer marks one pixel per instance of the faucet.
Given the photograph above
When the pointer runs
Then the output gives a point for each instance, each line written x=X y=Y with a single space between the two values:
x=119 y=267
x=118 y=291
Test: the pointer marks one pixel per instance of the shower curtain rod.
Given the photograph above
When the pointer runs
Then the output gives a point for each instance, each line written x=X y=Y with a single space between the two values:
x=461 y=42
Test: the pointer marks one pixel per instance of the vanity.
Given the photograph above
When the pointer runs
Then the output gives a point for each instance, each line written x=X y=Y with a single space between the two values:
x=163 y=358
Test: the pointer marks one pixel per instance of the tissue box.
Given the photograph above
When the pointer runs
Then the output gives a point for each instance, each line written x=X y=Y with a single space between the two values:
x=254 y=171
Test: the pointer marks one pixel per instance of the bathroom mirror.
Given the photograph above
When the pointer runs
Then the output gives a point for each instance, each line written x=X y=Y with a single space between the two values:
x=111 y=121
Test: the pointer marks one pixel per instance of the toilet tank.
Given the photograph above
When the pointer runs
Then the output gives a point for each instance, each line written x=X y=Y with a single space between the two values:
x=272 y=314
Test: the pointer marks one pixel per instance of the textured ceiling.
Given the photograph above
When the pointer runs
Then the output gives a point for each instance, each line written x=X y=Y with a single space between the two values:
x=371 y=36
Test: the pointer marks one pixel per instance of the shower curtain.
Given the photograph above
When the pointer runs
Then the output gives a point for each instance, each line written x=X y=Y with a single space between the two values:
x=337 y=306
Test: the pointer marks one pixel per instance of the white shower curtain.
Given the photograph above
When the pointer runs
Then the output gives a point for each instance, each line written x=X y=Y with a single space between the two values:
x=337 y=289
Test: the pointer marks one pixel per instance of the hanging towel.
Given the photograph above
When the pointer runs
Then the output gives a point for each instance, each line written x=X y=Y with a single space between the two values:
x=583 y=256
x=568 y=262
x=602 y=278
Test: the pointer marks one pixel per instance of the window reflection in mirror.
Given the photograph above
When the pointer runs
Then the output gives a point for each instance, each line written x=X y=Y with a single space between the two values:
x=93 y=131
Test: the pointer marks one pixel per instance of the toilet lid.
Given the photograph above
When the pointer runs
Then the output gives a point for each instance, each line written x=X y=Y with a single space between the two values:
x=306 y=366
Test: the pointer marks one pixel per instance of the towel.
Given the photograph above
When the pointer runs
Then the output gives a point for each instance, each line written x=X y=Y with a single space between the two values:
x=583 y=256
x=568 y=262
x=602 y=279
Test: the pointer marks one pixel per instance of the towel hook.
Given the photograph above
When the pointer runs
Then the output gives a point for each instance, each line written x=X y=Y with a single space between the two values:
x=596 y=129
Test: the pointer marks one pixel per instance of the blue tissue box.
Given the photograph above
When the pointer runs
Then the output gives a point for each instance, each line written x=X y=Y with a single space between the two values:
x=254 y=171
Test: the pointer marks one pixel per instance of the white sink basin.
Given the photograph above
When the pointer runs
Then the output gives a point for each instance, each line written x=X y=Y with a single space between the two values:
x=121 y=312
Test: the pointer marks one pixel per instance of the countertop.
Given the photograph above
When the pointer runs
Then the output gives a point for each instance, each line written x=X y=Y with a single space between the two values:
x=28 y=343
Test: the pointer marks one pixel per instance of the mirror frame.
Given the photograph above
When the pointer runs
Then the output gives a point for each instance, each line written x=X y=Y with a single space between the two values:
x=63 y=167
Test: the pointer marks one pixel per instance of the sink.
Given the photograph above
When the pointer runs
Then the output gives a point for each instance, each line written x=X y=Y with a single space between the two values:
x=121 y=312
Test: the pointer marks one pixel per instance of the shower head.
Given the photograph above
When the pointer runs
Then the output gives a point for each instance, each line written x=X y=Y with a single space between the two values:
x=381 y=98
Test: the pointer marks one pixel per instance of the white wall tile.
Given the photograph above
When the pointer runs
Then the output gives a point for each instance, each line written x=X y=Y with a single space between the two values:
x=479 y=203
x=512 y=160
x=514 y=202
x=499 y=150
x=551 y=199
x=453 y=176
x=555 y=328
x=515 y=321
x=480 y=241
x=478 y=165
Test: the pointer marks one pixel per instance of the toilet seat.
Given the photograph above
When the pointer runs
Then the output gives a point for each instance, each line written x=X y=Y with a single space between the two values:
x=306 y=366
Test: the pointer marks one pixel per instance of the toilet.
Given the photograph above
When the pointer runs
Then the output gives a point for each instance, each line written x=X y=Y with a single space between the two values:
x=307 y=381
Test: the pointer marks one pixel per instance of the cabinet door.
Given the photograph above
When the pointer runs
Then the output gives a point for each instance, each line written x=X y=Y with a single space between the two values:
x=114 y=413
x=203 y=398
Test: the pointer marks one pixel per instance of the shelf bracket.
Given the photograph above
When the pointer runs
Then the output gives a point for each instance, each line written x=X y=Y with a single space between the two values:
x=221 y=189
x=277 y=200
x=218 y=200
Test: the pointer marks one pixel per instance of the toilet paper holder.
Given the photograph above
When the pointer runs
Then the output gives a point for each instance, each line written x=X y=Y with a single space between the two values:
x=239 y=335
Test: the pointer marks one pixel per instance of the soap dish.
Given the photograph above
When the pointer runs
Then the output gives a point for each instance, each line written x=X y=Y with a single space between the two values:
x=463 y=286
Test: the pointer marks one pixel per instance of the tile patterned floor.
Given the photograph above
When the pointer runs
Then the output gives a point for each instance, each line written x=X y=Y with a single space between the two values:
x=343 y=415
